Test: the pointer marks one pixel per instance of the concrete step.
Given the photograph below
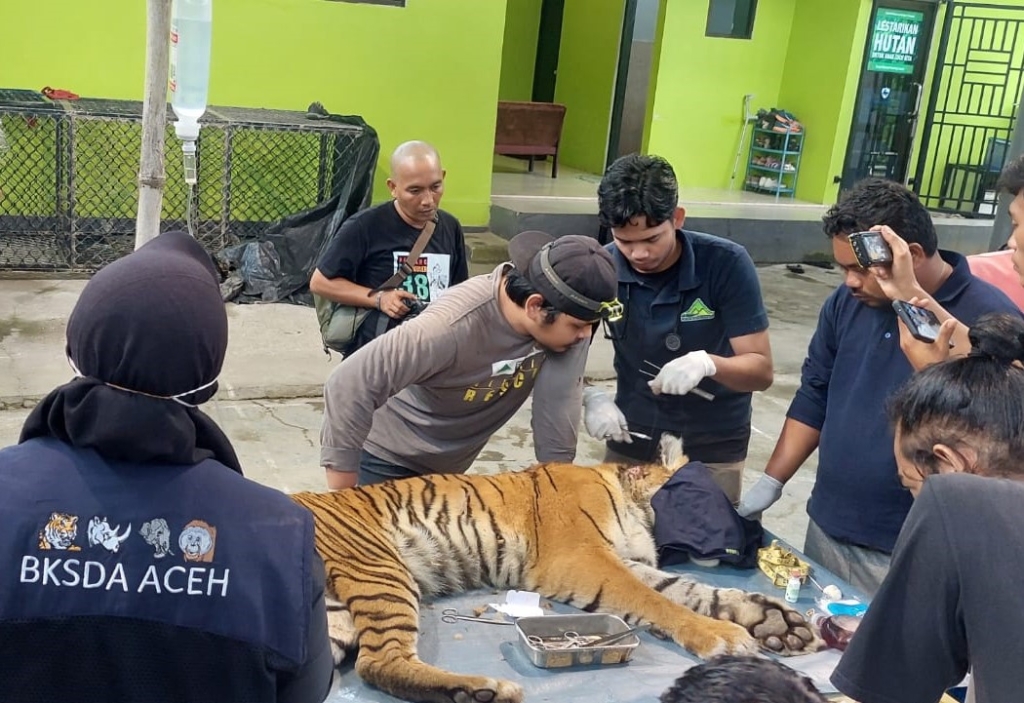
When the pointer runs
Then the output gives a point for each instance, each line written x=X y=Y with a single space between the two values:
x=772 y=234
x=486 y=248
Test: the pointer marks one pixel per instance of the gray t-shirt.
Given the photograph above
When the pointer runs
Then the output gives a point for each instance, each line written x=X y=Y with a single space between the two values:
x=430 y=393
x=951 y=599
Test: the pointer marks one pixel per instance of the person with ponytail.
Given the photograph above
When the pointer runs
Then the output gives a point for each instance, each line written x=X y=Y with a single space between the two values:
x=951 y=599
x=136 y=562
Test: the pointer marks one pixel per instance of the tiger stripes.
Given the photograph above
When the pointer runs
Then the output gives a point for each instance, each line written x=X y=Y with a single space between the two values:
x=579 y=535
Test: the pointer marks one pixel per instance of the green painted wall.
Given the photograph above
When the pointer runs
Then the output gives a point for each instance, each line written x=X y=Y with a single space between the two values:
x=819 y=86
x=587 y=58
x=428 y=71
x=519 y=49
x=701 y=81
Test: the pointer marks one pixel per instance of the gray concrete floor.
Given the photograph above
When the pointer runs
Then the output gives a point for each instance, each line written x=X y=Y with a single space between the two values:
x=270 y=406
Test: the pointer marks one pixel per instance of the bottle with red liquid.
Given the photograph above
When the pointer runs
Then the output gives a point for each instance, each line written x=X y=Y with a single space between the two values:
x=836 y=630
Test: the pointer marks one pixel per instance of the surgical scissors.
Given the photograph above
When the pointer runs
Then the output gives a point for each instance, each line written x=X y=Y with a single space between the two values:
x=699 y=392
x=451 y=616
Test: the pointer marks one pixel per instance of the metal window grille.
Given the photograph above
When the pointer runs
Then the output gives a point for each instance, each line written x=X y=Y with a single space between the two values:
x=977 y=87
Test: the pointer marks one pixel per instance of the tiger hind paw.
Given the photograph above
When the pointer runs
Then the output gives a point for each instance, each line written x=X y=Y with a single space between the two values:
x=493 y=691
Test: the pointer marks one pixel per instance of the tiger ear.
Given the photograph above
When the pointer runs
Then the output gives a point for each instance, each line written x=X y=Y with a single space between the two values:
x=670 y=448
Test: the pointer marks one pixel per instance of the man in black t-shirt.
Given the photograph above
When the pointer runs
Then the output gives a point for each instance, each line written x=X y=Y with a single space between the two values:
x=372 y=245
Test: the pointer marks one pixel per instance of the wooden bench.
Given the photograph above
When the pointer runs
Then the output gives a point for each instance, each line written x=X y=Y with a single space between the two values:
x=529 y=129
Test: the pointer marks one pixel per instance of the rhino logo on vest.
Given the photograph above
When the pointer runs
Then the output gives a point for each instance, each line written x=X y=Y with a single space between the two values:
x=197 y=541
x=101 y=533
x=157 y=535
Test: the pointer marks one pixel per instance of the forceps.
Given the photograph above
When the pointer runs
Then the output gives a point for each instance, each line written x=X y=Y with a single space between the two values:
x=699 y=392
x=568 y=640
x=451 y=616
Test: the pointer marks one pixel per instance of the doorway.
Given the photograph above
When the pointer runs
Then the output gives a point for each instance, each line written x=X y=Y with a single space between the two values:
x=549 y=39
x=633 y=77
x=888 y=104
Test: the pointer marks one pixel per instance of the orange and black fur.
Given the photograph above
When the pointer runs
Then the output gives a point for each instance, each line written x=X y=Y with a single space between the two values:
x=579 y=535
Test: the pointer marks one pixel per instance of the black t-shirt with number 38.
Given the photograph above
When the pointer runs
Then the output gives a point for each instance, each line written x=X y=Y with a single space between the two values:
x=373 y=243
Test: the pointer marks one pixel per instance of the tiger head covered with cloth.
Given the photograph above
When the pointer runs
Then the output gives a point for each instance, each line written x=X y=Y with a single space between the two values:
x=390 y=545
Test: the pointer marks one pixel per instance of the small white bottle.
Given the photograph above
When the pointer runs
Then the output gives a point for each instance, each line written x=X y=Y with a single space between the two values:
x=793 y=587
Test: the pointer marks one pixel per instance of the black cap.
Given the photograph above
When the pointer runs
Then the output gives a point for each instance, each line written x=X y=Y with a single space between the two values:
x=574 y=273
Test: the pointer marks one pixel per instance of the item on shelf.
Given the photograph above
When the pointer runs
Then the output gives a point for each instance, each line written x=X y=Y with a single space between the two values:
x=775 y=150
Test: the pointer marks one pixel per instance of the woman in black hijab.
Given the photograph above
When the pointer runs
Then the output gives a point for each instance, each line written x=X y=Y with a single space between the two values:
x=141 y=565
x=146 y=341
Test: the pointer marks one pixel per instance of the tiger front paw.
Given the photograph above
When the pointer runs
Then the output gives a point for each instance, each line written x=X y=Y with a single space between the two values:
x=776 y=626
x=718 y=637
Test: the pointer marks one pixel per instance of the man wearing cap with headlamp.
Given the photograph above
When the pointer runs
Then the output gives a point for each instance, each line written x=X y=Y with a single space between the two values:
x=427 y=396
x=693 y=341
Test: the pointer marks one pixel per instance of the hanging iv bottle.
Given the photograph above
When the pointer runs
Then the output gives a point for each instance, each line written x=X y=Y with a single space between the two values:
x=191 y=29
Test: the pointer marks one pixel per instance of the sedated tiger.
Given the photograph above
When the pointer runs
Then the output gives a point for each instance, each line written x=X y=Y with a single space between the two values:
x=388 y=546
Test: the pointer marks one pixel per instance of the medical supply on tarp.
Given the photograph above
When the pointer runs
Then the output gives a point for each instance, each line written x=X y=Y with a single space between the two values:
x=850 y=606
x=831 y=591
x=836 y=630
x=778 y=564
x=793 y=586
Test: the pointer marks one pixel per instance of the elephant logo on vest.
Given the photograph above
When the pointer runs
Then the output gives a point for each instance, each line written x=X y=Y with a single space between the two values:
x=197 y=541
x=157 y=535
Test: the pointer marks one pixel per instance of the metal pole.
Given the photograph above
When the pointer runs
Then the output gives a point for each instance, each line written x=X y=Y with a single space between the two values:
x=1001 y=227
x=154 y=121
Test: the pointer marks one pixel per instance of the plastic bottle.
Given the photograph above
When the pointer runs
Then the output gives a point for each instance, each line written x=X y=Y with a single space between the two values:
x=793 y=586
x=191 y=30
x=836 y=630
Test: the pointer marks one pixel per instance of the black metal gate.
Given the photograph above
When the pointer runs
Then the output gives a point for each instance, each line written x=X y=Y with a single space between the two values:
x=975 y=92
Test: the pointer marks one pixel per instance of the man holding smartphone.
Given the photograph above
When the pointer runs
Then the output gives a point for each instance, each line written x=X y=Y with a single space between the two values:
x=899 y=279
x=853 y=363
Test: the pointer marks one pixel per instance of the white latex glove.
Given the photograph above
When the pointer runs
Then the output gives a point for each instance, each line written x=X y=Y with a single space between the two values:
x=680 y=376
x=761 y=496
x=602 y=417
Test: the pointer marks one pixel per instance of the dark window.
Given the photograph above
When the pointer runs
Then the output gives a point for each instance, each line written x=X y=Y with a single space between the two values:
x=731 y=18
x=392 y=3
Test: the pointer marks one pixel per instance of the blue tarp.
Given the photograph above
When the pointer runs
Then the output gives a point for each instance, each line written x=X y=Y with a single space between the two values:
x=491 y=650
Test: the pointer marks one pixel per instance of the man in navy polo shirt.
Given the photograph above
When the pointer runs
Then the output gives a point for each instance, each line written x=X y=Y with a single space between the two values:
x=694 y=324
x=853 y=364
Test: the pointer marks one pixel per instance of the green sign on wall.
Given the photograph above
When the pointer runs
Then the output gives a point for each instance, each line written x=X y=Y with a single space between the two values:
x=894 y=40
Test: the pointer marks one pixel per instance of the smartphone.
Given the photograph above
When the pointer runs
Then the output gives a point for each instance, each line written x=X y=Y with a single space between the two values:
x=921 y=322
x=870 y=248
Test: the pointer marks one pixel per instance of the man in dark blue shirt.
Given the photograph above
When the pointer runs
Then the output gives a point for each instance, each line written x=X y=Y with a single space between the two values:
x=692 y=343
x=853 y=364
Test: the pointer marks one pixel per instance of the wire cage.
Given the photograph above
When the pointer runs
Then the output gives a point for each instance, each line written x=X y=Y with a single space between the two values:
x=69 y=176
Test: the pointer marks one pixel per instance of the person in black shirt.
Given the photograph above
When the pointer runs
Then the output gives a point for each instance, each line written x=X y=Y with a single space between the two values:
x=372 y=245
x=951 y=599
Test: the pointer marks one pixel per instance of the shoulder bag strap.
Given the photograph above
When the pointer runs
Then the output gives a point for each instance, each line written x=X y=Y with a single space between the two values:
x=406 y=268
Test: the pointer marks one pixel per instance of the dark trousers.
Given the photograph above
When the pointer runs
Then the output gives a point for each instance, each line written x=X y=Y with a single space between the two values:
x=373 y=469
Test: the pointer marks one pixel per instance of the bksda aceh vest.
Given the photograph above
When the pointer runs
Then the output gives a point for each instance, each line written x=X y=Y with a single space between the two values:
x=124 y=582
